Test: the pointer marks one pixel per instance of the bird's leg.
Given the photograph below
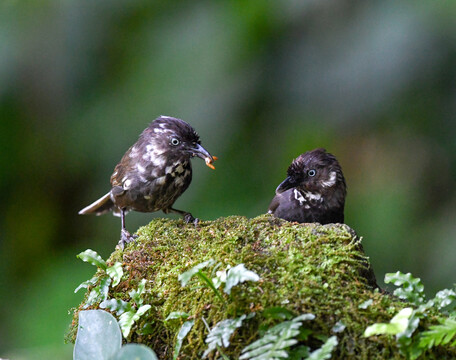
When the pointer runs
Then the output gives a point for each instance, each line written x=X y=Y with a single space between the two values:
x=125 y=236
x=188 y=218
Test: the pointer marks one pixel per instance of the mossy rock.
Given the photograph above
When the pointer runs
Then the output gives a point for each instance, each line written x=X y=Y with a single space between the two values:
x=305 y=268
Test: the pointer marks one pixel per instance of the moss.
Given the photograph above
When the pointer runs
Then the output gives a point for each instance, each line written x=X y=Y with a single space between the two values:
x=306 y=268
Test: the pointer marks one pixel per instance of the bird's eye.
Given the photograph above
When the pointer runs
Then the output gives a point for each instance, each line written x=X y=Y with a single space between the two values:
x=175 y=141
x=311 y=172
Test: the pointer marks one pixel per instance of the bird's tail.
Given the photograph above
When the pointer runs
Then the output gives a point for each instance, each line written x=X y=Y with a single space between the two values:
x=99 y=207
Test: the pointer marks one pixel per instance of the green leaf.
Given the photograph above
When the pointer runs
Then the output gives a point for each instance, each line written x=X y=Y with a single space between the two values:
x=276 y=339
x=98 y=336
x=117 y=305
x=86 y=284
x=440 y=334
x=210 y=284
x=136 y=294
x=325 y=351
x=185 y=277
x=135 y=352
x=141 y=311
x=365 y=304
x=299 y=353
x=185 y=329
x=444 y=298
x=93 y=258
x=398 y=324
x=98 y=293
x=221 y=333
x=128 y=318
x=411 y=289
x=237 y=275
x=115 y=272
x=177 y=315
x=277 y=312
x=338 y=327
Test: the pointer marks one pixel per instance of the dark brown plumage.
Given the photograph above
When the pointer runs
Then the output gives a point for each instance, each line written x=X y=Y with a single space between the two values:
x=153 y=173
x=314 y=190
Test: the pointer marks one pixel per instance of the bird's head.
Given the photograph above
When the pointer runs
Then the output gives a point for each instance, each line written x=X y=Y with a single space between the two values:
x=177 y=139
x=316 y=172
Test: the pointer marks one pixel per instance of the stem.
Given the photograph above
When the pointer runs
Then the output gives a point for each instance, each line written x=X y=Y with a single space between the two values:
x=209 y=283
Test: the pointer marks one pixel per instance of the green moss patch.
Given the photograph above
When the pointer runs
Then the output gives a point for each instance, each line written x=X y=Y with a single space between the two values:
x=305 y=268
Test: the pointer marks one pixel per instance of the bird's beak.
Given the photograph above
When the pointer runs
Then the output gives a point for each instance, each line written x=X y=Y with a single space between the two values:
x=288 y=183
x=198 y=150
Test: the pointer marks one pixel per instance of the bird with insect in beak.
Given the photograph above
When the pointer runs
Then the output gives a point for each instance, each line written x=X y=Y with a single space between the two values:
x=153 y=173
x=314 y=190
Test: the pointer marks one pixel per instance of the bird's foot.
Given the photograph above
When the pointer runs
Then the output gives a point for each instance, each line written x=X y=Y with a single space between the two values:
x=125 y=238
x=188 y=218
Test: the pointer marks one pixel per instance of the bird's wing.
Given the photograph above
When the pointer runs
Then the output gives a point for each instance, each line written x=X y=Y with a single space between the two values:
x=275 y=202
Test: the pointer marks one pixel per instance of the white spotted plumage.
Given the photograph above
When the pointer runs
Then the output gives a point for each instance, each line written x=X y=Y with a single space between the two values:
x=331 y=180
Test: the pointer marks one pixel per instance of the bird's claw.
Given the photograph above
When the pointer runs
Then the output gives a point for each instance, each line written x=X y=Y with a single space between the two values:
x=188 y=218
x=125 y=238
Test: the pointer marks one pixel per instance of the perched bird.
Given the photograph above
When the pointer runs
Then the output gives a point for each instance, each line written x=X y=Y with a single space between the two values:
x=153 y=173
x=314 y=190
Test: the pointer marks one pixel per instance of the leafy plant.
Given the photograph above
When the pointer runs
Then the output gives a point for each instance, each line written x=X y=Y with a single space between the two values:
x=230 y=277
x=99 y=338
x=396 y=326
x=129 y=312
x=185 y=329
x=185 y=277
x=235 y=276
x=325 y=351
x=113 y=276
x=405 y=323
x=220 y=334
x=439 y=334
x=276 y=339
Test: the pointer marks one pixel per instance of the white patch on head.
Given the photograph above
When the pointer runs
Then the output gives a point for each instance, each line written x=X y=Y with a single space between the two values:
x=298 y=196
x=166 y=117
x=313 y=196
x=162 y=125
x=331 y=181
x=158 y=131
x=161 y=180
x=126 y=185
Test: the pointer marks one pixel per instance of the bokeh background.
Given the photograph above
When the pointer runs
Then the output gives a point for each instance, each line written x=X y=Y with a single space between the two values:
x=261 y=81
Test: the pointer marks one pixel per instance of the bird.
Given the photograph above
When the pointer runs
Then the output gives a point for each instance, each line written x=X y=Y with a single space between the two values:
x=313 y=191
x=153 y=173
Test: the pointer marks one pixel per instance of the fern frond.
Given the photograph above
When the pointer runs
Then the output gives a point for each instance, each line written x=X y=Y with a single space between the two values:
x=439 y=334
x=274 y=342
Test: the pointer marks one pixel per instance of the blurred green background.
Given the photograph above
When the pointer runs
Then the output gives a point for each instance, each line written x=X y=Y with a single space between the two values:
x=261 y=81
